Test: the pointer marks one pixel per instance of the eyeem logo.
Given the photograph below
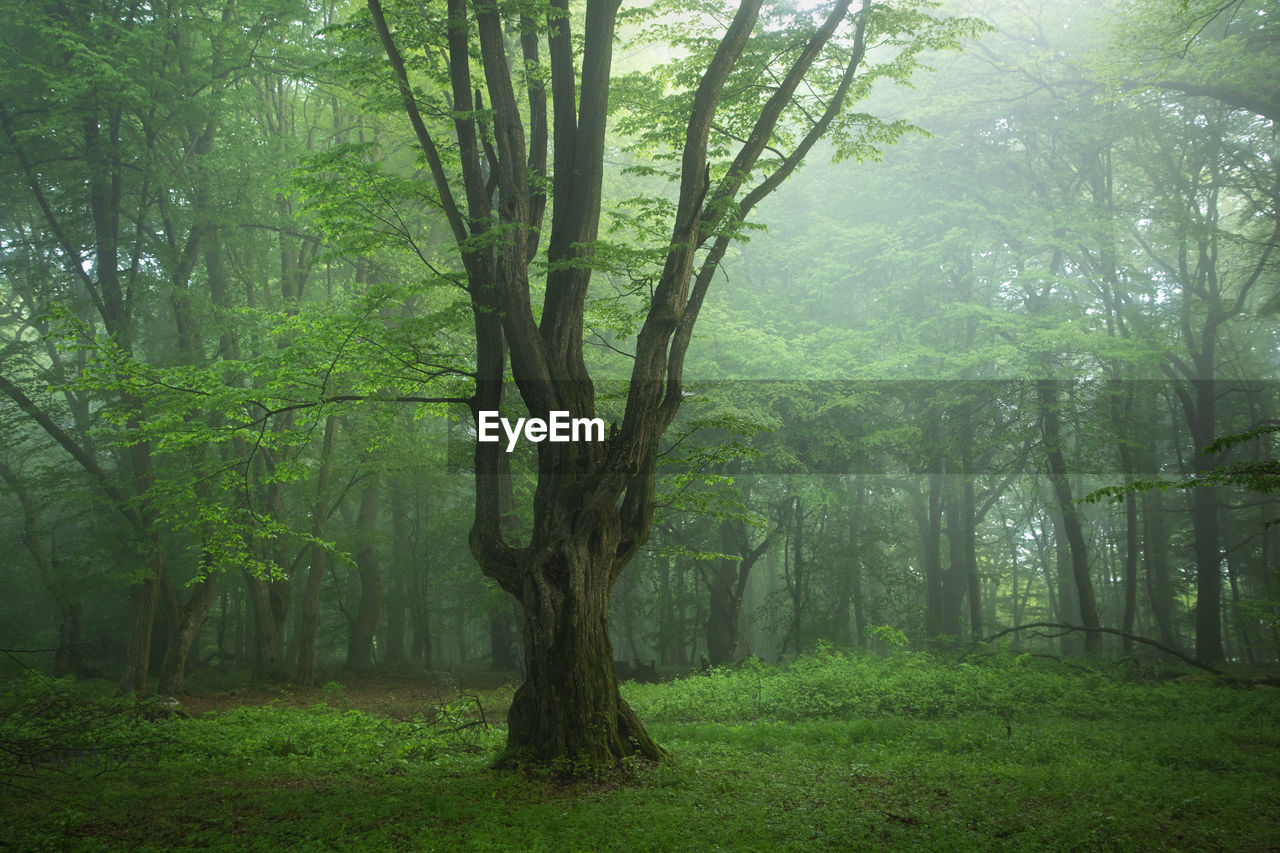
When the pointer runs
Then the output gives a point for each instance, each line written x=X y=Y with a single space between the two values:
x=558 y=427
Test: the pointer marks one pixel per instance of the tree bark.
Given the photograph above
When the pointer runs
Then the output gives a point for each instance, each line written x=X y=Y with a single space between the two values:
x=569 y=707
x=727 y=585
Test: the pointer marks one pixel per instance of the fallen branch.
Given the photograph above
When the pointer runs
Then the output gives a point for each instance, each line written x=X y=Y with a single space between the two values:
x=1067 y=629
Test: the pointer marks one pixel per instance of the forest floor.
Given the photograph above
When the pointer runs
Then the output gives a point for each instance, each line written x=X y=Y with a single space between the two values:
x=831 y=752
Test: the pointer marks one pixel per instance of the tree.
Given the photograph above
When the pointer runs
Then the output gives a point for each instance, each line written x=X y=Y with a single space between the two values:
x=747 y=102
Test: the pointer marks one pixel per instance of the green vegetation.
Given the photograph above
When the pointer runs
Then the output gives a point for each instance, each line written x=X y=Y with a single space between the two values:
x=835 y=751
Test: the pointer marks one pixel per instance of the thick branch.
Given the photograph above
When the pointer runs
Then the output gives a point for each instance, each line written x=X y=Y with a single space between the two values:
x=773 y=109
x=576 y=212
x=684 y=332
x=537 y=129
x=672 y=292
x=419 y=128
x=90 y=465
x=464 y=121
x=1232 y=96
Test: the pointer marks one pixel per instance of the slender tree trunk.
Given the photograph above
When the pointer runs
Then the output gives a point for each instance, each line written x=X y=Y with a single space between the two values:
x=931 y=523
x=1204 y=524
x=1070 y=644
x=723 y=607
x=1155 y=548
x=954 y=580
x=969 y=552
x=365 y=624
x=67 y=659
x=1071 y=527
x=1130 y=568
x=1016 y=611
x=679 y=610
x=666 y=612
x=1236 y=617
x=799 y=584
x=309 y=618
x=143 y=597
x=401 y=565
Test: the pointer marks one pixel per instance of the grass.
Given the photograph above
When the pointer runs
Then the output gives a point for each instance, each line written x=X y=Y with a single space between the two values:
x=834 y=752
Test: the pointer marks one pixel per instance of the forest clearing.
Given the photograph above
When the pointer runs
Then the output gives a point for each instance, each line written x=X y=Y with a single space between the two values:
x=1001 y=751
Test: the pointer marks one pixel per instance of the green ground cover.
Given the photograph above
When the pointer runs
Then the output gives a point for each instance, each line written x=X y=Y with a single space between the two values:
x=833 y=752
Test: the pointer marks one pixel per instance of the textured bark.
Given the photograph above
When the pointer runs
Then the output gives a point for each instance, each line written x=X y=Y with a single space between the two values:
x=569 y=708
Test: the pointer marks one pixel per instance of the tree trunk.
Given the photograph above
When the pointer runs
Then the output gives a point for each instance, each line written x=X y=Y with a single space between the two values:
x=1071 y=527
x=1068 y=606
x=360 y=642
x=1204 y=524
x=930 y=523
x=1155 y=554
x=143 y=597
x=799 y=577
x=501 y=653
x=1130 y=568
x=728 y=585
x=955 y=580
x=401 y=561
x=569 y=709
x=270 y=602
x=309 y=618
x=67 y=659
x=188 y=620
x=969 y=553
x=722 y=611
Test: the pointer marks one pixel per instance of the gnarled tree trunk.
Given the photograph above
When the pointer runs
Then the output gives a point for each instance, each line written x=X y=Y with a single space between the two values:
x=569 y=704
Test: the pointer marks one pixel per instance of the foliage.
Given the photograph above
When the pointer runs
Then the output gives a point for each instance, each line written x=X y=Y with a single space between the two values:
x=1062 y=759
x=73 y=729
x=1261 y=475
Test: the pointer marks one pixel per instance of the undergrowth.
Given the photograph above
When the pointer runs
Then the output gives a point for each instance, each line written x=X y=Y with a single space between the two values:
x=833 y=751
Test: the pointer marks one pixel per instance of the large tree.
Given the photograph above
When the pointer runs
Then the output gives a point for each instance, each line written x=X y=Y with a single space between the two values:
x=753 y=91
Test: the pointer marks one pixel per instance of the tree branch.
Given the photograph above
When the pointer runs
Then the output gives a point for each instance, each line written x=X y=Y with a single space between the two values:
x=415 y=118
x=1169 y=650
